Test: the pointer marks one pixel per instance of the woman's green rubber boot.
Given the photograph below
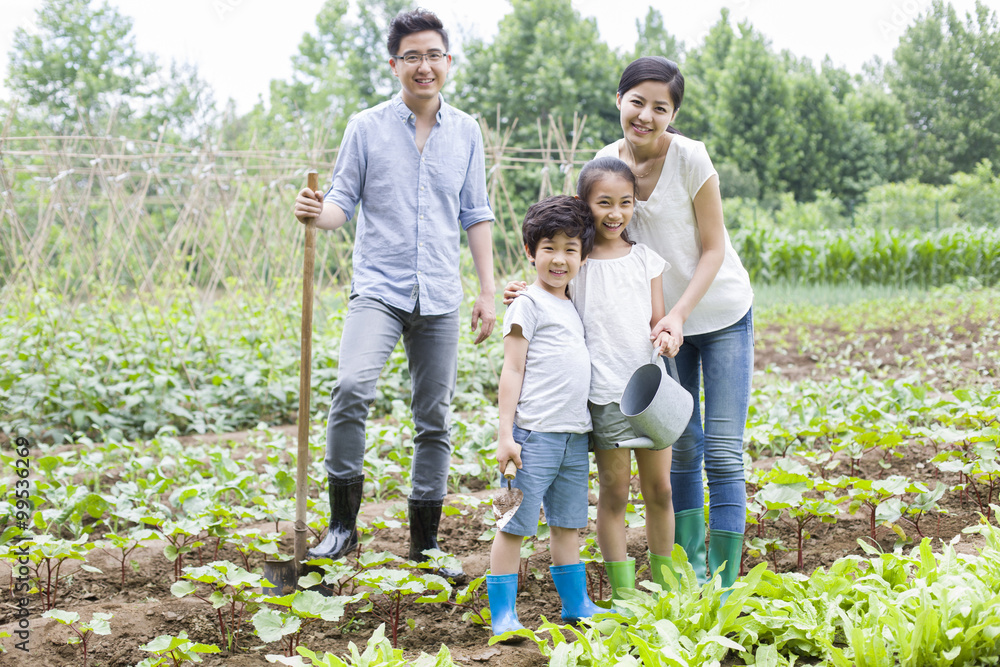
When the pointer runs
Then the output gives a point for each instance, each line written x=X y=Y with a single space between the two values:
x=689 y=532
x=725 y=548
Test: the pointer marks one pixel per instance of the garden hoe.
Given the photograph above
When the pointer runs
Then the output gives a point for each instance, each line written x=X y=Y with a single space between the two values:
x=283 y=575
x=506 y=502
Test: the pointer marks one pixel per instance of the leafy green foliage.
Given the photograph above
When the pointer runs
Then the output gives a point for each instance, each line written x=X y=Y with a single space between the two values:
x=82 y=632
x=169 y=651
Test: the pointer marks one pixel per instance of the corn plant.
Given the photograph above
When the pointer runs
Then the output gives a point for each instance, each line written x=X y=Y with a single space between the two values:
x=82 y=632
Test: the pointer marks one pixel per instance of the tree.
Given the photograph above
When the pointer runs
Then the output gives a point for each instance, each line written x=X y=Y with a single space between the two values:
x=81 y=68
x=338 y=71
x=946 y=74
x=749 y=121
x=546 y=61
x=702 y=68
x=654 y=40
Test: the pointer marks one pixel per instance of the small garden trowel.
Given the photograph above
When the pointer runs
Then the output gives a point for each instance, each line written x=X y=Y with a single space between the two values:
x=506 y=502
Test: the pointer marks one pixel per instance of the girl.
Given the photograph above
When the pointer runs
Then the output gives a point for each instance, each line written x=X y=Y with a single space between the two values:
x=708 y=297
x=619 y=296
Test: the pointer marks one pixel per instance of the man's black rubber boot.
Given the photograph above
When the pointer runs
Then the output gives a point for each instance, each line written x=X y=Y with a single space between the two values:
x=345 y=502
x=425 y=515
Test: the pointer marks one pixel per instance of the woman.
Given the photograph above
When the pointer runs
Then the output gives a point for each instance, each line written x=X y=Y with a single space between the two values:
x=708 y=299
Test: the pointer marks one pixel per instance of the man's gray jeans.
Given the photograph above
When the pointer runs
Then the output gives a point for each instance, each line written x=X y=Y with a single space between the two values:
x=371 y=331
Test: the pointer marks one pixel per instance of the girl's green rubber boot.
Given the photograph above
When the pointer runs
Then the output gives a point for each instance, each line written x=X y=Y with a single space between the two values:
x=656 y=565
x=621 y=574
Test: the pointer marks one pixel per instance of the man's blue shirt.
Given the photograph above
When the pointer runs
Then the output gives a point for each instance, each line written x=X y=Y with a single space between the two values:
x=413 y=204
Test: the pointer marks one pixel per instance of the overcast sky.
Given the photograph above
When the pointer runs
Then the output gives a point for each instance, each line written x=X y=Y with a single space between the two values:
x=240 y=45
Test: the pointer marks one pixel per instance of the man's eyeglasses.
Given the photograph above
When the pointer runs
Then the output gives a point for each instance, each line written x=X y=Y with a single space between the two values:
x=415 y=58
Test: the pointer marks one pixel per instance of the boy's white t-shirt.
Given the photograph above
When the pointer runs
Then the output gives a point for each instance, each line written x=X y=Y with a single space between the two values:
x=614 y=301
x=557 y=369
x=666 y=222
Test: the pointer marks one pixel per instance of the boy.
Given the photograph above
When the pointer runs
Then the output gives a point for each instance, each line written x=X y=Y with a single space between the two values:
x=543 y=411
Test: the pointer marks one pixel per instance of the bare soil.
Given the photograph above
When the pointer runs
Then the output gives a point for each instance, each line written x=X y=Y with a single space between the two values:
x=146 y=608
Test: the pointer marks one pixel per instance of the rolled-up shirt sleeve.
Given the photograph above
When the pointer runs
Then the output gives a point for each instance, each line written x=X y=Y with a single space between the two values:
x=474 y=200
x=349 y=171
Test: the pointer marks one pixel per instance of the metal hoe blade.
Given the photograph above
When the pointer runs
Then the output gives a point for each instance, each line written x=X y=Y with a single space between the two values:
x=506 y=502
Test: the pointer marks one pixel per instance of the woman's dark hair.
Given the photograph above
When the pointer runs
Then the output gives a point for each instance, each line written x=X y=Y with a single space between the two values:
x=407 y=23
x=559 y=213
x=595 y=170
x=654 y=68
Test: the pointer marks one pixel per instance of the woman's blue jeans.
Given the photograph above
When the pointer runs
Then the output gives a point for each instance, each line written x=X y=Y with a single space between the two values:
x=725 y=359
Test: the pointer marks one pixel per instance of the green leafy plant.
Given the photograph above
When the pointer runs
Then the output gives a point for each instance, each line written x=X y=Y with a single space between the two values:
x=120 y=547
x=47 y=558
x=294 y=612
x=379 y=652
x=232 y=589
x=82 y=631
x=394 y=591
x=170 y=651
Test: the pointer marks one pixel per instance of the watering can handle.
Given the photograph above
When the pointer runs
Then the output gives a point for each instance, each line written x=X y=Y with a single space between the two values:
x=670 y=365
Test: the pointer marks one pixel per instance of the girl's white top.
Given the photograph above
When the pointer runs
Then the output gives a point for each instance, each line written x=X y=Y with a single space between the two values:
x=614 y=302
x=666 y=223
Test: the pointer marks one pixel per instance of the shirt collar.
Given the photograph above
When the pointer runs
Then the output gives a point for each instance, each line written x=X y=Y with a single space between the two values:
x=404 y=112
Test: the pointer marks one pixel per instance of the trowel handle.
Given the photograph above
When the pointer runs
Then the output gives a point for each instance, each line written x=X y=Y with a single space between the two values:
x=510 y=470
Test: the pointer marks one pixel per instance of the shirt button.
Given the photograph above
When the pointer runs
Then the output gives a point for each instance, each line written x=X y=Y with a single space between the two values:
x=421 y=245
x=418 y=273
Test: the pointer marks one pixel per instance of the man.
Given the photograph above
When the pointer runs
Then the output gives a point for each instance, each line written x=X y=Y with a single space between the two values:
x=416 y=166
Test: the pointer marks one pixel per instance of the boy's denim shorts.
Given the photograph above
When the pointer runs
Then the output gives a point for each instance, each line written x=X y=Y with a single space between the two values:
x=553 y=474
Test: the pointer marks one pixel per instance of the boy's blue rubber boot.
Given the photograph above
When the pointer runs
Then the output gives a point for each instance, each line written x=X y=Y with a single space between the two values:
x=502 y=591
x=689 y=532
x=571 y=584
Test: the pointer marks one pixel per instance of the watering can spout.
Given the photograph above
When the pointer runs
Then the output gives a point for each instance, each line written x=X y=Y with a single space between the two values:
x=637 y=443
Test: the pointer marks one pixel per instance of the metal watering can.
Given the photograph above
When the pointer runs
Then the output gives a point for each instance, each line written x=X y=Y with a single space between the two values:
x=656 y=405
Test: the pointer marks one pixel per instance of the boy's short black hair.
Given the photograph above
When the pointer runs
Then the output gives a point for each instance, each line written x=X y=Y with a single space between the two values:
x=407 y=23
x=559 y=213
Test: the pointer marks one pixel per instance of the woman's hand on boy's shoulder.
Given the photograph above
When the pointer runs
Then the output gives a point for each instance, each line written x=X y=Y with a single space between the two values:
x=510 y=291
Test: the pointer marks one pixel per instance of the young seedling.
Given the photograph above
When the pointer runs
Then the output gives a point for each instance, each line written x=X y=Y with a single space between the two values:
x=171 y=651
x=232 y=588
x=47 y=555
x=884 y=501
x=98 y=625
x=394 y=591
x=470 y=600
x=183 y=535
x=120 y=547
x=295 y=612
